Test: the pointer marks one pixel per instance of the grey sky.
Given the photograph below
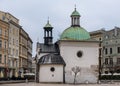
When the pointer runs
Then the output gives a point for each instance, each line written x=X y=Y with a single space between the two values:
x=33 y=14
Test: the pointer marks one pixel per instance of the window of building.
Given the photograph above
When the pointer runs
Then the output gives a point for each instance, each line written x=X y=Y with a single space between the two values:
x=0 y=31
x=0 y=58
x=110 y=50
x=13 y=31
x=118 y=49
x=5 y=59
x=118 y=60
x=100 y=39
x=9 y=40
x=106 y=61
x=13 y=41
x=13 y=64
x=106 y=51
x=13 y=51
x=5 y=44
x=10 y=51
x=111 y=61
x=0 y=43
x=16 y=42
x=16 y=52
x=17 y=32
x=16 y=63
x=3 y=17
x=5 y=33
x=8 y=62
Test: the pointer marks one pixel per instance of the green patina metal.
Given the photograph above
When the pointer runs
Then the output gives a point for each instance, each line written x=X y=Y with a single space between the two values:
x=75 y=33
x=75 y=13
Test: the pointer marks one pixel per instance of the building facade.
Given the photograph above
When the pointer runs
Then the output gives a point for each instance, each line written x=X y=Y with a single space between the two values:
x=19 y=44
x=13 y=43
x=29 y=62
x=13 y=49
x=110 y=52
x=23 y=46
x=4 y=28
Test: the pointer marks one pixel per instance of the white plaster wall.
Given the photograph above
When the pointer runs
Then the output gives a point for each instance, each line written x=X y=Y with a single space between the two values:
x=46 y=75
x=90 y=57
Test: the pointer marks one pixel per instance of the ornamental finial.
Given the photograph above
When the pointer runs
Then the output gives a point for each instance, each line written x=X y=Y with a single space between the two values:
x=48 y=20
x=75 y=7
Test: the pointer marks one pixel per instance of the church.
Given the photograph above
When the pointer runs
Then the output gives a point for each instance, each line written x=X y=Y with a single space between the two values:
x=74 y=58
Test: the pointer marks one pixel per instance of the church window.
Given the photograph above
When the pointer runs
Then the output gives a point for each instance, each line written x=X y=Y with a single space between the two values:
x=52 y=69
x=79 y=53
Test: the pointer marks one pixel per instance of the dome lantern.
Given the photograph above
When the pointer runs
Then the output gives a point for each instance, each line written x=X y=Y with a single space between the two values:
x=48 y=37
x=75 y=18
x=75 y=32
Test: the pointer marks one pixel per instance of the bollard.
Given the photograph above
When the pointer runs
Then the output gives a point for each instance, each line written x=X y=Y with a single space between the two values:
x=99 y=82
x=87 y=82
x=26 y=80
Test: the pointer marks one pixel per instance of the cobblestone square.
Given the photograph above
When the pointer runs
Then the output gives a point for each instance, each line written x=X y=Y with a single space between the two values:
x=39 y=84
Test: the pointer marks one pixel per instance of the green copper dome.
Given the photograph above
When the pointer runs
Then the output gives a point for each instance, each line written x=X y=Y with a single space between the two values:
x=75 y=13
x=75 y=33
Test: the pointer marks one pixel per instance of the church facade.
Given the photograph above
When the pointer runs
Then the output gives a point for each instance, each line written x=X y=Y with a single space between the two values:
x=74 y=58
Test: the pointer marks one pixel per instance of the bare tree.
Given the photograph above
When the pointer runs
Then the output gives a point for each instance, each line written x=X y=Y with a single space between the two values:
x=75 y=70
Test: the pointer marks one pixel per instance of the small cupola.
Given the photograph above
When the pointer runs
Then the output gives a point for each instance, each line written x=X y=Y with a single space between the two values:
x=75 y=31
x=75 y=18
x=48 y=37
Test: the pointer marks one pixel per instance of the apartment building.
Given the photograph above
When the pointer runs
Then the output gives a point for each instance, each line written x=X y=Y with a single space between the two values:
x=18 y=45
x=110 y=50
x=29 y=54
x=23 y=51
x=13 y=60
x=4 y=26
x=13 y=43
x=5 y=16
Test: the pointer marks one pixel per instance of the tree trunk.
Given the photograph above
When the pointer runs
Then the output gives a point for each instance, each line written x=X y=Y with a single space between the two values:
x=75 y=79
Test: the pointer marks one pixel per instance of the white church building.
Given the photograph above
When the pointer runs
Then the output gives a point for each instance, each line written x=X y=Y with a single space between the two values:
x=75 y=48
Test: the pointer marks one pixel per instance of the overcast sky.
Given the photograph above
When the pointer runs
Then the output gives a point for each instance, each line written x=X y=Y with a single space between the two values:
x=33 y=15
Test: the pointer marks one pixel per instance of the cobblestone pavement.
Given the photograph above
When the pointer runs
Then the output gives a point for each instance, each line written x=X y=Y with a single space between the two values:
x=38 y=84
